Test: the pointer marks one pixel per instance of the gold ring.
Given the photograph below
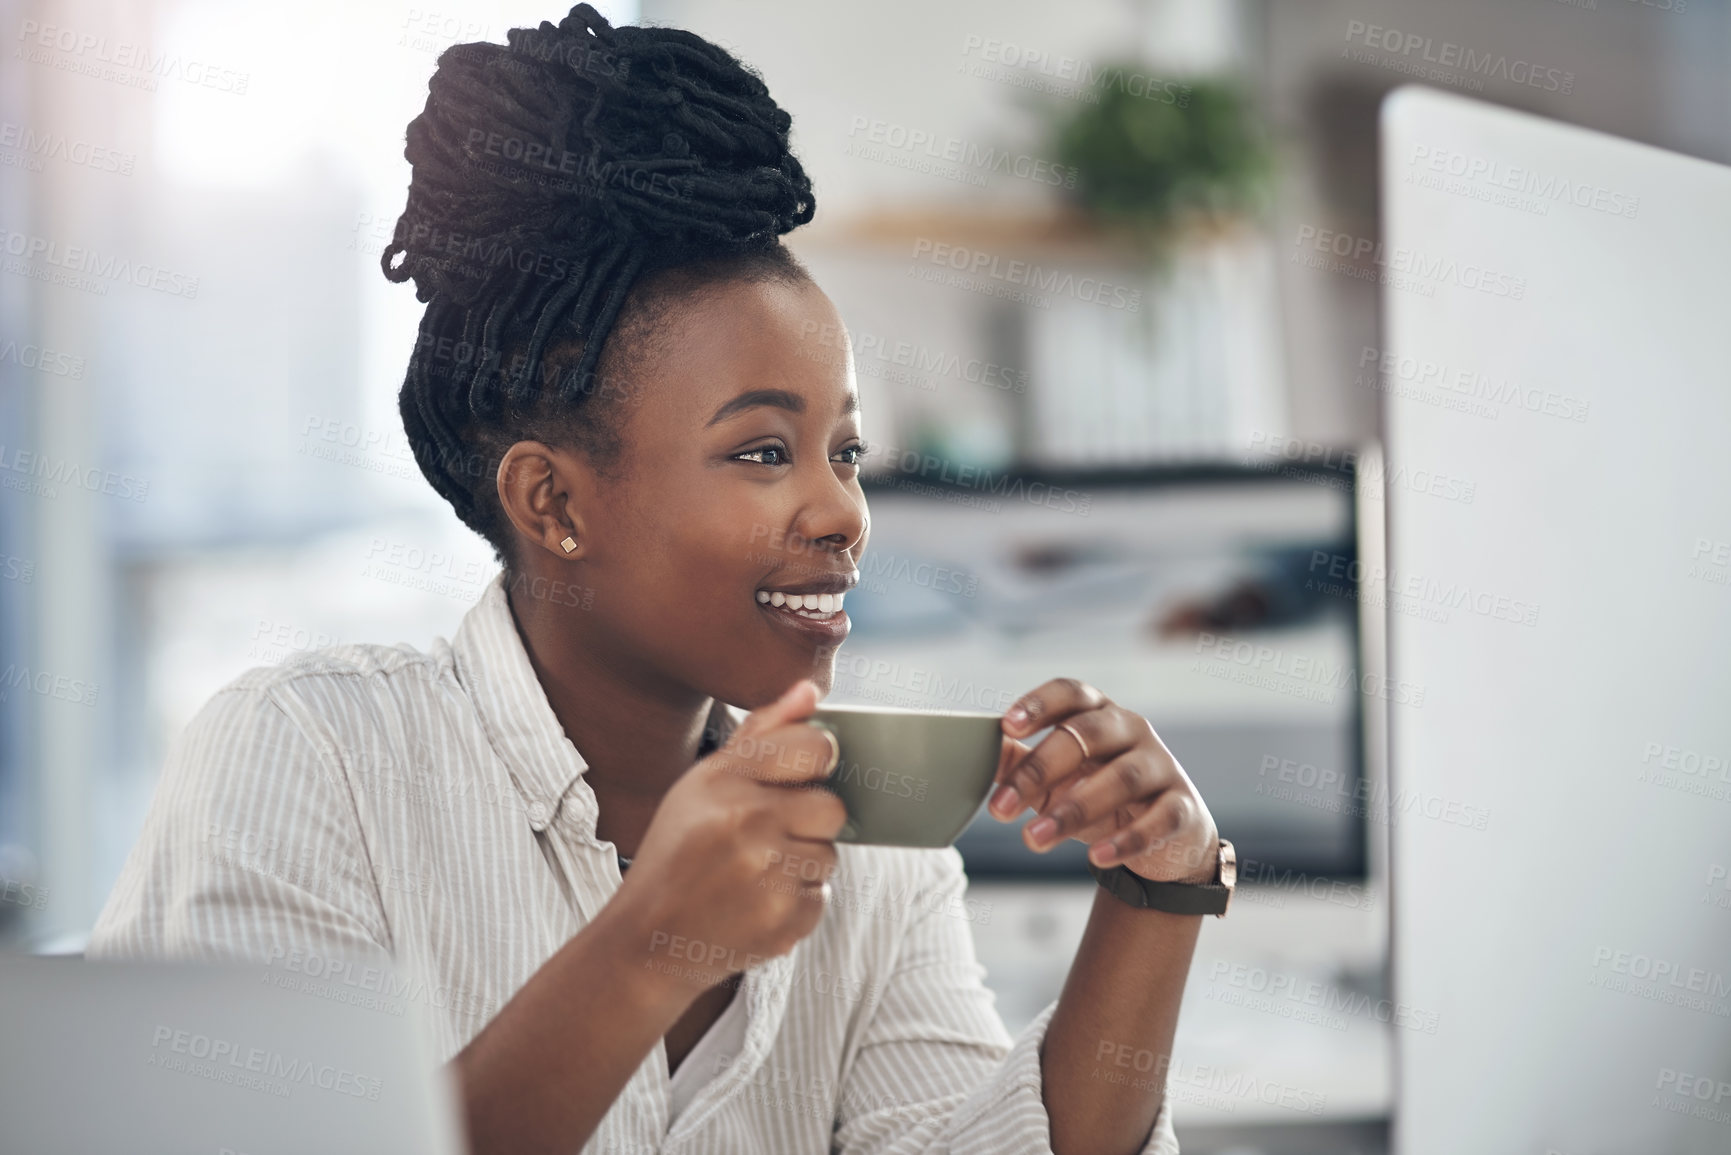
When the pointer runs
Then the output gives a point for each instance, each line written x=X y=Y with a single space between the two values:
x=1071 y=730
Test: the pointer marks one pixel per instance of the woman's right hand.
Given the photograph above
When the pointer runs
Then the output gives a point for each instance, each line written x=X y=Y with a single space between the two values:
x=731 y=870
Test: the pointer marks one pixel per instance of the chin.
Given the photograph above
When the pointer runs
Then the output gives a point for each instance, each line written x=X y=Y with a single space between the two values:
x=823 y=673
x=758 y=688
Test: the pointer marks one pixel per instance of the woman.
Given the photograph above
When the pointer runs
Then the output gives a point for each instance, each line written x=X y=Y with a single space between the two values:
x=559 y=831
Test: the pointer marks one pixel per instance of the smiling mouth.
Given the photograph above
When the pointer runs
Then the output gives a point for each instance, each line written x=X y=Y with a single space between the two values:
x=816 y=607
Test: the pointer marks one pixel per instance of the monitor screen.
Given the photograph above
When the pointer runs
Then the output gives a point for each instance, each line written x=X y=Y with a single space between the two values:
x=1569 y=949
x=1219 y=602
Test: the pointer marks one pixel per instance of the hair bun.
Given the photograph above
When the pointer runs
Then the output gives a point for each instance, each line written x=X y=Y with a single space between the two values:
x=571 y=140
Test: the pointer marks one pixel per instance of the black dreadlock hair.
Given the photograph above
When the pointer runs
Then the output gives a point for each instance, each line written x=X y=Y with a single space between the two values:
x=568 y=185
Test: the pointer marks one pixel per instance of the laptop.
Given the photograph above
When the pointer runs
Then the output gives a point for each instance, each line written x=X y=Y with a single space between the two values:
x=148 y=1057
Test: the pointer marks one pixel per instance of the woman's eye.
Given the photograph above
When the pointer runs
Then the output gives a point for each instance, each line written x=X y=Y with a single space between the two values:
x=854 y=454
x=779 y=453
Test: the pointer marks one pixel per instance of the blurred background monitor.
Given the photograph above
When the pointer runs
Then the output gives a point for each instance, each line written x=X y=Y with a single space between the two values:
x=1220 y=602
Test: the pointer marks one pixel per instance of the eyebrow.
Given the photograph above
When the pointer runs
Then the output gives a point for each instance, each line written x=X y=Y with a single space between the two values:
x=779 y=398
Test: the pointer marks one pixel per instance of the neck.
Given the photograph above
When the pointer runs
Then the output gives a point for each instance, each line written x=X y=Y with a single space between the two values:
x=637 y=735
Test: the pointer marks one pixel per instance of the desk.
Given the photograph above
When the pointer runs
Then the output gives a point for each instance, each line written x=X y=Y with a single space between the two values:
x=1283 y=1021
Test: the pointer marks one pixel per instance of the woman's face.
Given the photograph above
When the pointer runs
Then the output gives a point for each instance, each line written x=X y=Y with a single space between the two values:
x=739 y=478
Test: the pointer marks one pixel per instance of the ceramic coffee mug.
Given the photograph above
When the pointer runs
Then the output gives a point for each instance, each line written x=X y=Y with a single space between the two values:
x=910 y=777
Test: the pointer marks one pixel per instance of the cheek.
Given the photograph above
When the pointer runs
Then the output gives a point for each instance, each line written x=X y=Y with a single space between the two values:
x=707 y=563
x=692 y=551
x=732 y=528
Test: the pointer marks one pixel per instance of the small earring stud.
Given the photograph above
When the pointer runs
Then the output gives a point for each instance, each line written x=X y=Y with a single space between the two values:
x=569 y=544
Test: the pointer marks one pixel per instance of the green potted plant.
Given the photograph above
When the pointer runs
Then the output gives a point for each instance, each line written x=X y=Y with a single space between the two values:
x=1171 y=158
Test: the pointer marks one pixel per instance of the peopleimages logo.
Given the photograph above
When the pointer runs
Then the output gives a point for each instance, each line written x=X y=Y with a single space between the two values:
x=1654 y=971
x=17 y=892
x=80 y=259
x=540 y=161
x=1142 y=1069
x=58 y=146
x=134 y=64
x=1471 y=384
x=1287 y=994
x=1278 y=447
x=43 y=360
x=1300 y=674
x=927 y=467
x=970 y=264
x=1343 y=575
x=1543 y=186
x=1416 y=48
x=226 y=1061
x=483 y=254
x=1067 y=76
x=431 y=31
x=1405 y=267
x=930 y=146
x=49 y=685
x=829 y=344
x=1328 y=789
x=52 y=472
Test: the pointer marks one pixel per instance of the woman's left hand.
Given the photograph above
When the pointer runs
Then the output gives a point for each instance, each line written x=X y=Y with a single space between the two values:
x=1128 y=798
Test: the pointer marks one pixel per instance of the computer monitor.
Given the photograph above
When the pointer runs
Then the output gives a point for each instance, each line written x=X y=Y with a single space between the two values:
x=1220 y=602
x=1558 y=334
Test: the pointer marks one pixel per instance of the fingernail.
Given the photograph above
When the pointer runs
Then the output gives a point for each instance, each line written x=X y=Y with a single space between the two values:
x=1016 y=717
x=1006 y=802
x=1103 y=853
x=1041 y=829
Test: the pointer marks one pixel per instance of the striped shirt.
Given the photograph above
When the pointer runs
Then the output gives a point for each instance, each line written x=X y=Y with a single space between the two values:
x=416 y=827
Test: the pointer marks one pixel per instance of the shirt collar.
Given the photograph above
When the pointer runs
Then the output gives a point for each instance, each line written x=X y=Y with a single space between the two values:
x=494 y=668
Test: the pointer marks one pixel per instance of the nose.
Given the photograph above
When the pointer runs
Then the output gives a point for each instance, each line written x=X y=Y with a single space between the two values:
x=833 y=515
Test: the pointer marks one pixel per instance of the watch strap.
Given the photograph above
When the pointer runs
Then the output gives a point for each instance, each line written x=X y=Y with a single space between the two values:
x=1171 y=897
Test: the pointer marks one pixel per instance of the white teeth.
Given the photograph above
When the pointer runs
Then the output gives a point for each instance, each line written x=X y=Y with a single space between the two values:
x=807 y=605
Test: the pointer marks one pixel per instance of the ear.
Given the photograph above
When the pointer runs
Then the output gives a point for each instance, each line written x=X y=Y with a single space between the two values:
x=544 y=491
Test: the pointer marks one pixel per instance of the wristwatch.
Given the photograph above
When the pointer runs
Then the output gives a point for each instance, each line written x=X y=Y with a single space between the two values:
x=1173 y=897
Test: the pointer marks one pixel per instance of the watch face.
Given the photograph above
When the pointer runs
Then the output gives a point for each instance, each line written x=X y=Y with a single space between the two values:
x=1228 y=864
